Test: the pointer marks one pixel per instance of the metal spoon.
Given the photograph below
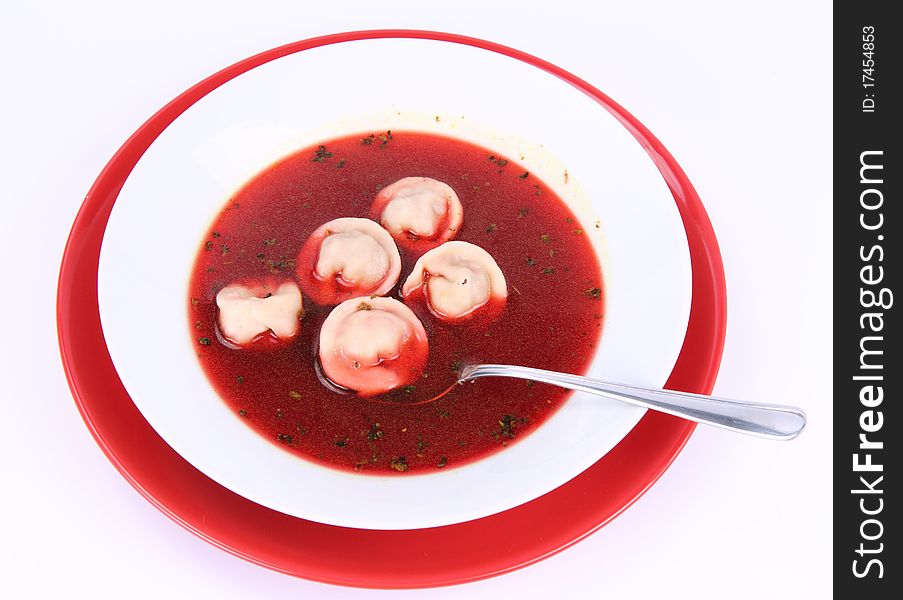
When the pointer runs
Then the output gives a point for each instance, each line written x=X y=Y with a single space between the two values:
x=763 y=420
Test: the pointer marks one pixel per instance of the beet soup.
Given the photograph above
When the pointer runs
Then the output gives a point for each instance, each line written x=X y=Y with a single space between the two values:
x=551 y=319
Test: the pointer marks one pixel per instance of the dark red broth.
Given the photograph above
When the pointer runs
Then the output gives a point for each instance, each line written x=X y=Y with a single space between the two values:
x=552 y=319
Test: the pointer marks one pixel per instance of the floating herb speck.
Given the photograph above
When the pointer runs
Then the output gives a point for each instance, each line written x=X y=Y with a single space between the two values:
x=375 y=432
x=204 y=341
x=294 y=395
x=321 y=154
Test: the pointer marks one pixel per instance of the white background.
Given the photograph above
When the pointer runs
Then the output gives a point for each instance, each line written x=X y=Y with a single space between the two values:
x=742 y=98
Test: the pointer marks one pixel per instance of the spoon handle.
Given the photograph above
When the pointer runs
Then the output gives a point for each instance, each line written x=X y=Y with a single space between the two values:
x=764 y=420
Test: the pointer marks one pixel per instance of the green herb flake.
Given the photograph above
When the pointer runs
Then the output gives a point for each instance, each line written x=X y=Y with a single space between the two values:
x=242 y=412
x=507 y=425
x=208 y=245
x=491 y=227
x=400 y=464
x=284 y=438
x=442 y=462
x=340 y=164
x=531 y=262
x=342 y=442
x=364 y=306
x=548 y=270
x=594 y=293
x=456 y=366
x=443 y=413
x=279 y=413
x=216 y=234
x=578 y=232
x=294 y=395
x=522 y=212
x=204 y=341
x=375 y=432
x=409 y=389
x=524 y=175
x=268 y=243
x=546 y=238
x=321 y=154
x=301 y=429
x=552 y=252
x=240 y=379
x=225 y=249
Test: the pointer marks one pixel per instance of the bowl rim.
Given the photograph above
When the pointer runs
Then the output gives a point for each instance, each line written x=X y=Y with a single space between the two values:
x=196 y=164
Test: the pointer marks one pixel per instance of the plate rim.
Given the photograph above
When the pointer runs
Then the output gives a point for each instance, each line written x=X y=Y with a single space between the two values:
x=696 y=368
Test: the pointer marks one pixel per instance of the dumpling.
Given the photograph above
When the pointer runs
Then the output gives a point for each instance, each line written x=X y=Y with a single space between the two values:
x=345 y=258
x=457 y=279
x=246 y=312
x=372 y=345
x=418 y=211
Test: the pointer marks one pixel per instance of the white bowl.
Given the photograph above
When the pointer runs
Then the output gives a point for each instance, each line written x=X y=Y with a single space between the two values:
x=224 y=139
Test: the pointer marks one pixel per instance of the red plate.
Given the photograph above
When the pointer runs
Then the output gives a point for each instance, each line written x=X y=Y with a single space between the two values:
x=359 y=557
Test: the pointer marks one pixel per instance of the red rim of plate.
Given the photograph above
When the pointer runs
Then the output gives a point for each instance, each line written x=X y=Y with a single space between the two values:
x=359 y=557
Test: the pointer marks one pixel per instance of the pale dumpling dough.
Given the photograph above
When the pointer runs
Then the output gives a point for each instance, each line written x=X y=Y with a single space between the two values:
x=372 y=345
x=458 y=277
x=348 y=257
x=419 y=208
x=246 y=312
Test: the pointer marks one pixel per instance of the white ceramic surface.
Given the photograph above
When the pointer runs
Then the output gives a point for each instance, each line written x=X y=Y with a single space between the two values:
x=224 y=139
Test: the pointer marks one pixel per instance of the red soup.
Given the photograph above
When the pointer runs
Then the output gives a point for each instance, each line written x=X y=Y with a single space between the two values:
x=551 y=319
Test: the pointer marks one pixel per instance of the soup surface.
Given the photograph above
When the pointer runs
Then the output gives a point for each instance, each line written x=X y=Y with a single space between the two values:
x=552 y=318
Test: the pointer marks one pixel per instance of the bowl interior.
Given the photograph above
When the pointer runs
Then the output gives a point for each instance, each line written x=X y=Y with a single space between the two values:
x=223 y=140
